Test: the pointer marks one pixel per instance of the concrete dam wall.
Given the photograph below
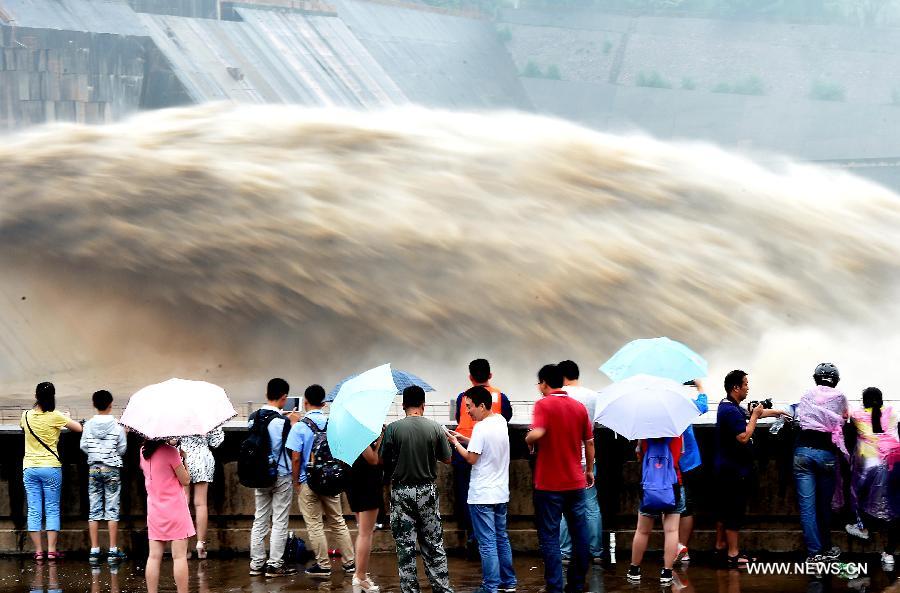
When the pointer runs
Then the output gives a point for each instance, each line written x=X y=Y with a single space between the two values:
x=94 y=61
x=70 y=61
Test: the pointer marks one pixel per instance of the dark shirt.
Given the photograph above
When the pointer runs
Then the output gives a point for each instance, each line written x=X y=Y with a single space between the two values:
x=732 y=457
x=411 y=448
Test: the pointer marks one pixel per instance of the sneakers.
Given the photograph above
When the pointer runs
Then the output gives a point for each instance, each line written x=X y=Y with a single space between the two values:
x=634 y=574
x=857 y=530
x=507 y=589
x=349 y=568
x=279 y=571
x=317 y=571
x=116 y=556
x=887 y=560
x=682 y=554
x=566 y=560
x=95 y=557
x=257 y=572
x=665 y=576
x=831 y=555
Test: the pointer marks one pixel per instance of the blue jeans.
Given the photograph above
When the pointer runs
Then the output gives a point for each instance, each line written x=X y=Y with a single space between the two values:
x=594 y=527
x=814 y=471
x=489 y=524
x=549 y=509
x=42 y=487
x=104 y=487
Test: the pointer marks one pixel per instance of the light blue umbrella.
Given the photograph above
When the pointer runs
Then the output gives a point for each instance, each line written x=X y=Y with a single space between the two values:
x=658 y=357
x=358 y=412
x=402 y=380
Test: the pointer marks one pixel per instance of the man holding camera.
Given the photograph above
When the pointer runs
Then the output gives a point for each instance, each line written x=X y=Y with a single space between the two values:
x=734 y=462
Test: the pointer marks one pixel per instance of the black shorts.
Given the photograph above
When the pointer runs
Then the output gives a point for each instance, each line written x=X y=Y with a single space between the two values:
x=731 y=500
x=691 y=482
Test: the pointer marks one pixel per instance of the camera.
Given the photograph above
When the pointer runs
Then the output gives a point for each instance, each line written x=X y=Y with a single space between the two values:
x=766 y=404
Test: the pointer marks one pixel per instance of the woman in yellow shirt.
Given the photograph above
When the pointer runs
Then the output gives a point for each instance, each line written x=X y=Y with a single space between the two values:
x=42 y=469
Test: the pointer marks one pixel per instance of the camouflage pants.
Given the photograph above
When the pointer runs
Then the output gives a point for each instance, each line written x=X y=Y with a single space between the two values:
x=415 y=516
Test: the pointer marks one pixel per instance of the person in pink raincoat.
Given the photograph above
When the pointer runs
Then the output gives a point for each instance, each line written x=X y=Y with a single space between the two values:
x=875 y=496
x=821 y=413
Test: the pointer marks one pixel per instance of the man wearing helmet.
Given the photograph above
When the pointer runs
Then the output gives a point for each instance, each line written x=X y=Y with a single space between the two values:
x=821 y=414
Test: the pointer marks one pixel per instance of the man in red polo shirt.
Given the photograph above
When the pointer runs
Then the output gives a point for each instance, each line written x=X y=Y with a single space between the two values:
x=559 y=428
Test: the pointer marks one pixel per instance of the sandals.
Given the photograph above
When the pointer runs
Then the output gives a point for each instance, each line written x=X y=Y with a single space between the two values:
x=364 y=585
x=741 y=560
x=38 y=556
x=55 y=555
x=201 y=550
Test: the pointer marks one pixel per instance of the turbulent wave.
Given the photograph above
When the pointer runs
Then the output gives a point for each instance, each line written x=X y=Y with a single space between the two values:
x=316 y=242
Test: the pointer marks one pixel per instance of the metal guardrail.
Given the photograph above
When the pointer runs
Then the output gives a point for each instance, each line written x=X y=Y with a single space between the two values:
x=12 y=414
x=522 y=411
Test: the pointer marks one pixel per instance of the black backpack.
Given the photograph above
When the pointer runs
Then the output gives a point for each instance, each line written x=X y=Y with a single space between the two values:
x=295 y=551
x=326 y=475
x=256 y=467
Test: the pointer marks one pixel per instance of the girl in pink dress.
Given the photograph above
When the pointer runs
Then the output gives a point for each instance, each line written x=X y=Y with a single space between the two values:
x=168 y=515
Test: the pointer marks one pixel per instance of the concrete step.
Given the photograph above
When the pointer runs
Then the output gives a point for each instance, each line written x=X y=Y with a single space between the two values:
x=236 y=540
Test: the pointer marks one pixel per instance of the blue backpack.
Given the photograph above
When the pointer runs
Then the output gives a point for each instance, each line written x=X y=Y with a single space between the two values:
x=657 y=477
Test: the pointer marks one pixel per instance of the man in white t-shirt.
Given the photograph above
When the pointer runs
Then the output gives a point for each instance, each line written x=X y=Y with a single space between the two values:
x=488 y=452
x=588 y=398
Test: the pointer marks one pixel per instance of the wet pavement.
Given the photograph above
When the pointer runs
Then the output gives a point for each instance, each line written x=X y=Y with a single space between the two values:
x=221 y=575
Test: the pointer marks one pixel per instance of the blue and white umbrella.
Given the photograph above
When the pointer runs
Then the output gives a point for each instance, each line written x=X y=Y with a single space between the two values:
x=401 y=379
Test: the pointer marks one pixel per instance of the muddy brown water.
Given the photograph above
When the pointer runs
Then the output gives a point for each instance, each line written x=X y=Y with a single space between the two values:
x=235 y=243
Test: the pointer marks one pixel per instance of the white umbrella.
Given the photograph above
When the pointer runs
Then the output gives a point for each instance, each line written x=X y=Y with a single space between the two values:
x=646 y=407
x=177 y=408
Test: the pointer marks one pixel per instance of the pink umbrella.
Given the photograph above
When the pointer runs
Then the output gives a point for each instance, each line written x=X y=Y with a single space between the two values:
x=177 y=408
